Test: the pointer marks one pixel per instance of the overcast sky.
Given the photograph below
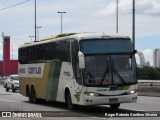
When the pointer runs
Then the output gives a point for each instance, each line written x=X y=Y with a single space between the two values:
x=81 y=16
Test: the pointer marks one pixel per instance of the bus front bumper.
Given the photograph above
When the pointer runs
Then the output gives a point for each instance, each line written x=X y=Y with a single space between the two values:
x=107 y=100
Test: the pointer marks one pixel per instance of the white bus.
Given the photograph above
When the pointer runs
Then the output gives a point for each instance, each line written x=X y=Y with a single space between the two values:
x=79 y=69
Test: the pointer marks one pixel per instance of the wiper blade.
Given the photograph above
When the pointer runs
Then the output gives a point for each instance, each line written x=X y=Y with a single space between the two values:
x=105 y=74
x=117 y=73
x=110 y=68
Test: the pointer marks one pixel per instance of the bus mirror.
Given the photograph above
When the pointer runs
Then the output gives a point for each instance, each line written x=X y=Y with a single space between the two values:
x=81 y=60
x=133 y=53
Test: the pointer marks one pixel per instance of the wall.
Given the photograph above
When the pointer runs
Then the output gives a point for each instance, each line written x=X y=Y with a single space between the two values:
x=9 y=66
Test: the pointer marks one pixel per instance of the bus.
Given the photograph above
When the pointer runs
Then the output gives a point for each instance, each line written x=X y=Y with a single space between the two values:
x=79 y=69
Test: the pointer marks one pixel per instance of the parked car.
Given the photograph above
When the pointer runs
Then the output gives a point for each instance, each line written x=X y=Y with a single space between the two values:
x=12 y=83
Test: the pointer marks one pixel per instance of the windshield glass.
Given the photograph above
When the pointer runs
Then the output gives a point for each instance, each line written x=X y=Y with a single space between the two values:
x=15 y=77
x=106 y=46
x=104 y=66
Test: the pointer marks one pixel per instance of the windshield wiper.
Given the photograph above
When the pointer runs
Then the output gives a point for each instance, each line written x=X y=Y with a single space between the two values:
x=105 y=73
x=117 y=73
x=113 y=71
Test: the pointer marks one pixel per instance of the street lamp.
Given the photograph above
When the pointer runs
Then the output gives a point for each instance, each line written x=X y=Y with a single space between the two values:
x=61 y=18
x=31 y=37
x=38 y=32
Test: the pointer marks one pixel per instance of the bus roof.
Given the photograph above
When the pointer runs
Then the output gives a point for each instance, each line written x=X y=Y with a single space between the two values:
x=78 y=36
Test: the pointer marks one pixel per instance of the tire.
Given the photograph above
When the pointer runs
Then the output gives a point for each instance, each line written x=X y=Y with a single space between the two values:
x=4 y=85
x=7 y=89
x=69 y=101
x=33 y=96
x=29 y=96
x=13 y=89
x=115 y=106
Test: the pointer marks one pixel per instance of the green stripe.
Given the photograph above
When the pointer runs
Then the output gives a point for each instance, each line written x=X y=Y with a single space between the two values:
x=53 y=80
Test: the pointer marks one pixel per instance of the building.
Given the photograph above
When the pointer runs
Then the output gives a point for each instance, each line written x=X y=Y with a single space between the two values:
x=142 y=58
x=156 y=58
x=148 y=64
x=7 y=66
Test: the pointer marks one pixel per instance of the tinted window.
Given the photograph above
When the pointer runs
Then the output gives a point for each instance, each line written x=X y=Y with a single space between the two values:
x=106 y=46
x=48 y=51
x=23 y=55
x=75 y=61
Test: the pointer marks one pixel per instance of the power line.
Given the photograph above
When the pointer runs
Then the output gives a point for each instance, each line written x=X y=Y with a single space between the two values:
x=14 y=5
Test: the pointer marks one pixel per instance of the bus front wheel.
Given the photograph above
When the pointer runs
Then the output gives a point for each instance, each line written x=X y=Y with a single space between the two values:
x=115 y=106
x=69 y=101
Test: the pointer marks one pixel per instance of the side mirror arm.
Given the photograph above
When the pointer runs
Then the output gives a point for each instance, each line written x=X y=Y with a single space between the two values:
x=133 y=53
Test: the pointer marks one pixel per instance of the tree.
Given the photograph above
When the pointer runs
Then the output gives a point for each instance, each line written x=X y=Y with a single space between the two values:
x=148 y=73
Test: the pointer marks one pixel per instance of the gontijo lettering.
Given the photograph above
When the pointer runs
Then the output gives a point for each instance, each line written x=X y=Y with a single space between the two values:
x=22 y=70
x=34 y=70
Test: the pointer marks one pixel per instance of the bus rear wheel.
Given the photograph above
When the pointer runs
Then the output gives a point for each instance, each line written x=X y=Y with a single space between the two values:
x=115 y=106
x=29 y=96
x=33 y=96
x=69 y=101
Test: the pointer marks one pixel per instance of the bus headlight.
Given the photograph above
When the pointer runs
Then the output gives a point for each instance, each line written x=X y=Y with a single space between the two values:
x=91 y=94
x=132 y=91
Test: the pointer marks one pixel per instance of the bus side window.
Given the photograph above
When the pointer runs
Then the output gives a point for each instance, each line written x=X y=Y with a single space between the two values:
x=23 y=55
x=64 y=50
x=75 y=61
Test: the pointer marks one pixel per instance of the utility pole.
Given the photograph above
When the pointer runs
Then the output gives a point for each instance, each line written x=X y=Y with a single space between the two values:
x=38 y=32
x=133 y=31
x=117 y=17
x=3 y=51
x=35 y=21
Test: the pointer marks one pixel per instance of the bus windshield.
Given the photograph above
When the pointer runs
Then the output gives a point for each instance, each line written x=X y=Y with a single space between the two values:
x=108 y=62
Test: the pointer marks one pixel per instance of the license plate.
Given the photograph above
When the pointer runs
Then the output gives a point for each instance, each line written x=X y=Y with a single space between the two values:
x=113 y=100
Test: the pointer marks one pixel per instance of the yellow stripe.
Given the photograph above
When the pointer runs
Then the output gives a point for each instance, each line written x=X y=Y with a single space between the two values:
x=40 y=84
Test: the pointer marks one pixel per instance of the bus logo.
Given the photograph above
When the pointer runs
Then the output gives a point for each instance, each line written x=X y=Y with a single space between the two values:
x=34 y=70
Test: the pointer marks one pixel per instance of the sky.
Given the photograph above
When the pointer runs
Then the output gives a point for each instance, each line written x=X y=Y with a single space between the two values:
x=81 y=16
